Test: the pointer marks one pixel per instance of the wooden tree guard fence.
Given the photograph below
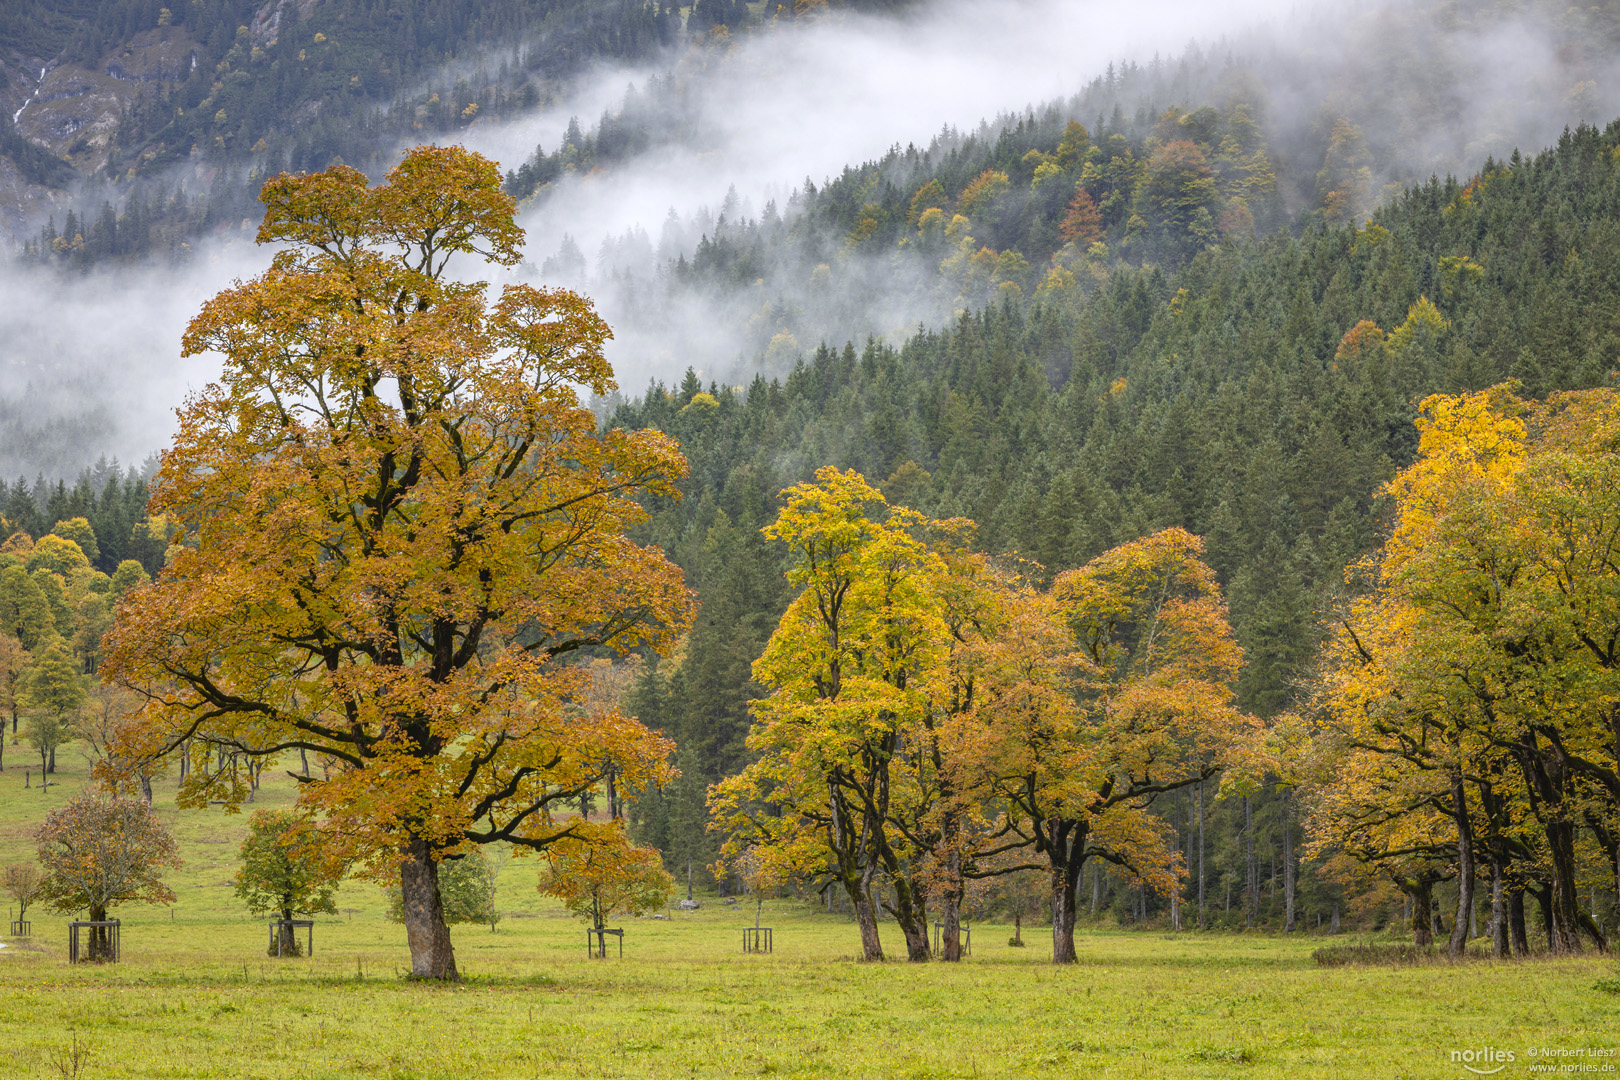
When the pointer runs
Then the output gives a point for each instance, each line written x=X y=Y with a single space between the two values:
x=966 y=932
x=596 y=941
x=114 y=947
x=757 y=939
x=22 y=928
x=278 y=940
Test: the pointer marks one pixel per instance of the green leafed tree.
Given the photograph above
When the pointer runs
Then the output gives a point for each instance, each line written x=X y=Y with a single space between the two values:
x=283 y=872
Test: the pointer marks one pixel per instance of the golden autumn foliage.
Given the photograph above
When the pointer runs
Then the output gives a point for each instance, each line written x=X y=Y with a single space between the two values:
x=1470 y=694
x=931 y=712
x=393 y=523
x=598 y=880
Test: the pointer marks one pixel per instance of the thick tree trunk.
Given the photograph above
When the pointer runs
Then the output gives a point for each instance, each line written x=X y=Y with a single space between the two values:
x=1465 y=870
x=1565 y=935
x=146 y=787
x=1549 y=917
x=1202 y=920
x=431 y=954
x=950 y=931
x=866 y=918
x=1064 y=880
x=910 y=911
x=1422 y=922
x=1333 y=928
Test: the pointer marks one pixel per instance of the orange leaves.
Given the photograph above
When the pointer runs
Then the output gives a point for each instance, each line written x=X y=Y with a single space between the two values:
x=558 y=330
x=98 y=851
x=982 y=194
x=1082 y=223
x=397 y=525
x=438 y=201
x=924 y=698
x=601 y=874
x=327 y=209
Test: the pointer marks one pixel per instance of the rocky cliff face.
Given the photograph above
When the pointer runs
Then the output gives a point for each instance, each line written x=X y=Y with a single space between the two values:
x=73 y=111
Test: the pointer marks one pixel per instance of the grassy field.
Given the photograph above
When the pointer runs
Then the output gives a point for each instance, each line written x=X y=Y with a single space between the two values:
x=196 y=997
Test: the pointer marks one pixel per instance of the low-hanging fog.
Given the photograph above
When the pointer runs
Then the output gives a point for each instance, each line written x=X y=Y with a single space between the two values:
x=90 y=365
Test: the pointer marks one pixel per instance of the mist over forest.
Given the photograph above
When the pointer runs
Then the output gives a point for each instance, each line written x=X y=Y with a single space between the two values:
x=705 y=193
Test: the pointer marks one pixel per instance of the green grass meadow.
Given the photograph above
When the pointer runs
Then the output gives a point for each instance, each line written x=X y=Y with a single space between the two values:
x=195 y=996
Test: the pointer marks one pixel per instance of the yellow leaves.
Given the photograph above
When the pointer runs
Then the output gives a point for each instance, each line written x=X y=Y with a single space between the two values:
x=1464 y=441
x=982 y=194
x=598 y=874
x=1424 y=323
x=397 y=523
x=912 y=665
x=437 y=201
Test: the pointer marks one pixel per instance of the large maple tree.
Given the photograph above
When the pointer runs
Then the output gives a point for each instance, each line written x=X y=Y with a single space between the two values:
x=395 y=523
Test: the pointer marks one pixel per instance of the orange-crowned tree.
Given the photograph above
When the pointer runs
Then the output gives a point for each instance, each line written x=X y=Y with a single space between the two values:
x=393 y=524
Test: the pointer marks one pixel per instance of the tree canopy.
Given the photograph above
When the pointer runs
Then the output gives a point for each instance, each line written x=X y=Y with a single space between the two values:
x=394 y=527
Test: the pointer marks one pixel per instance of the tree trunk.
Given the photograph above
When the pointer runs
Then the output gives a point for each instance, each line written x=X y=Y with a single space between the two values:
x=1251 y=912
x=1465 y=870
x=146 y=787
x=1516 y=928
x=1288 y=868
x=1499 y=919
x=1062 y=915
x=99 y=947
x=1333 y=928
x=866 y=918
x=286 y=939
x=910 y=911
x=431 y=954
x=1096 y=888
x=52 y=768
x=951 y=924
x=1202 y=921
x=1422 y=895
x=1564 y=934
x=1549 y=915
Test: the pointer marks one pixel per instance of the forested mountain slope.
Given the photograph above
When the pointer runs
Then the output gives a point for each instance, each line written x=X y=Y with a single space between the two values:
x=118 y=91
x=1257 y=397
